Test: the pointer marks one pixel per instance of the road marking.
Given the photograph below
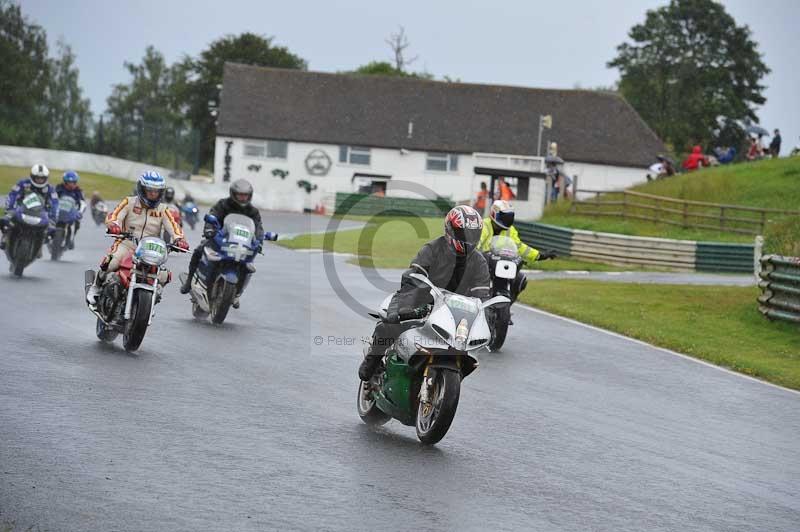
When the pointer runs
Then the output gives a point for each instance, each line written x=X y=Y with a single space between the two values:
x=663 y=349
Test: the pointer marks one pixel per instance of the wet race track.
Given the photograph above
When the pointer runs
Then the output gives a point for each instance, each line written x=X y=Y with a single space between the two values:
x=252 y=425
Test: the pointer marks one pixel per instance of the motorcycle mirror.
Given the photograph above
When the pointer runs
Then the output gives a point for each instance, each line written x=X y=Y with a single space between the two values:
x=494 y=301
x=434 y=289
x=270 y=236
x=211 y=219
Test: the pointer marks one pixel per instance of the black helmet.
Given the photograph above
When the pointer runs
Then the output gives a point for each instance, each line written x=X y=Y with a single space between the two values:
x=462 y=229
x=169 y=195
x=240 y=189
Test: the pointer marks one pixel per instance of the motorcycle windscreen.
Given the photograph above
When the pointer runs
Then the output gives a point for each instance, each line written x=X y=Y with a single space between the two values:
x=66 y=204
x=504 y=246
x=240 y=229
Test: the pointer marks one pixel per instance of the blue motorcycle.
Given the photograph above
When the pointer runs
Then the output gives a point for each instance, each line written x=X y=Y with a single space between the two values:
x=190 y=212
x=27 y=233
x=225 y=267
x=69 y=212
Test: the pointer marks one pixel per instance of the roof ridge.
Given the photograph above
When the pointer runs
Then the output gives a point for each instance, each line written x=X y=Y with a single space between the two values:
x=352 y=75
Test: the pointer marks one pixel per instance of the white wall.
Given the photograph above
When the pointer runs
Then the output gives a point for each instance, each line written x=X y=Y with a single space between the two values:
x=73 y=160
x=602 y=177
x=409 y=167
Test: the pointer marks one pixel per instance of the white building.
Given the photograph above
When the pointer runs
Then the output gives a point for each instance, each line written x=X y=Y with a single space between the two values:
x=287 y=131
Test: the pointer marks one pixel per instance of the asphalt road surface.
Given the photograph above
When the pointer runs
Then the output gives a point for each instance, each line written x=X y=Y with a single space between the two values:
x=252 y=425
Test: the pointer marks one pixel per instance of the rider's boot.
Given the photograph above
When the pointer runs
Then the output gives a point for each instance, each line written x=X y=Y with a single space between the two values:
x=186 y=287
x=245 y=280
x=94 y=289
x=372 y=359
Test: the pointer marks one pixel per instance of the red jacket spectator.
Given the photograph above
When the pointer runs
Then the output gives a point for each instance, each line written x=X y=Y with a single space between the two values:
x=695 y=160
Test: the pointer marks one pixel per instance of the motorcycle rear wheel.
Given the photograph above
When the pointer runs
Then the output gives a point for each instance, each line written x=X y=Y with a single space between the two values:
x=368 y=411
x=137 y=325
x=433 y=422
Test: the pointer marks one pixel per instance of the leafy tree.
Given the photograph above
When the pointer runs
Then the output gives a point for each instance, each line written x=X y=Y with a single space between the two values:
x=204 y=74
x=692 y=73
x=145 y=112
x=383 y=68
x=24 y=72
x=68 y=113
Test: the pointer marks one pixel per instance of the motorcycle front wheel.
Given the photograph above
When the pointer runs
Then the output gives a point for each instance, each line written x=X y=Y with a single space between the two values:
x=502 y=319
x=221 y=299
x=137 y=324
x=23 y=254
x=435 y=417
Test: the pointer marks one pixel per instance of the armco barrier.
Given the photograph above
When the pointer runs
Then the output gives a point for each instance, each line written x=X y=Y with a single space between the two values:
x=780 y=288
x=369 y=205
x=623 y=250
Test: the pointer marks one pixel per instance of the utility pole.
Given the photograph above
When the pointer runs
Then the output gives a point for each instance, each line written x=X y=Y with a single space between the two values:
x=545 y=121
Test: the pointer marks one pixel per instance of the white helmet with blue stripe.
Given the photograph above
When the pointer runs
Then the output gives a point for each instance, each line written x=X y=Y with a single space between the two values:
x=150 y=181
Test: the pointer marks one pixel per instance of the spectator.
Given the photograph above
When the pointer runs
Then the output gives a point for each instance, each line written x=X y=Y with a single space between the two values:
x=505 y=193
x=695 y=160
x=775 y=145
x=753 y=152
x=480 y=199
x=725 y=154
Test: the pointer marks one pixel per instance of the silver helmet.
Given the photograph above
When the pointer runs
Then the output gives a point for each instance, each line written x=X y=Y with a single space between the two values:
x=241 y=192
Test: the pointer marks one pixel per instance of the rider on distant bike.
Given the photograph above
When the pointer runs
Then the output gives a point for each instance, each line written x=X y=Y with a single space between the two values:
x=70 y=187
x=239 y=201
x=143 y=215
x=36 y=183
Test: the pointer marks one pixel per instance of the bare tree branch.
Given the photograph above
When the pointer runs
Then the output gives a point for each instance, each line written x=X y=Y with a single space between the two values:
x=398 y=42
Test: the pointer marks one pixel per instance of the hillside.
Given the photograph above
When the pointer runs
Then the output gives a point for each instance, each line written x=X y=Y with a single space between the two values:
x=770 y=184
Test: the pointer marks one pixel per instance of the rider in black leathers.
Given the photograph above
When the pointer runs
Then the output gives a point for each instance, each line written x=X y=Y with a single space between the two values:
x=238 y=202
x=450 y=262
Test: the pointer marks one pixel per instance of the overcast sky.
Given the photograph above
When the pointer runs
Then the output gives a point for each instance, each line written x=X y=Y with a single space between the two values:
x=554 y=44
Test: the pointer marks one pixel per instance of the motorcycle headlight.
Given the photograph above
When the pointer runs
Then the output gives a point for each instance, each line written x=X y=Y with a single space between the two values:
x=31 y=220
x=462 y=332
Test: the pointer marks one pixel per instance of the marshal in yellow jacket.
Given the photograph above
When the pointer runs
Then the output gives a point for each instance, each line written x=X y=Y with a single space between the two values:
x=527 y=253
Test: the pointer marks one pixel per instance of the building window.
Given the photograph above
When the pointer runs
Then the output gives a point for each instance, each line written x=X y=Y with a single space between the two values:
x=354 y=155
x=442 y=162
x=270 y=149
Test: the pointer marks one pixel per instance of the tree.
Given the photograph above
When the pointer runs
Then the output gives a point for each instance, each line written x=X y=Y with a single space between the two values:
x=204 y=74
x=24 y=72
x=68 y=113
x=145 y=112
x=398 y=42
x=383 y=68
x=692 y=73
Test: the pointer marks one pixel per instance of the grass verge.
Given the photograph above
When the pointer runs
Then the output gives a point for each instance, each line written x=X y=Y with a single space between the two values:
x=393 y=243
x=719 y=324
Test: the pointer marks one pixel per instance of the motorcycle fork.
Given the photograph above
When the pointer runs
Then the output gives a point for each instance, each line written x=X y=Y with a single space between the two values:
x=134 y=285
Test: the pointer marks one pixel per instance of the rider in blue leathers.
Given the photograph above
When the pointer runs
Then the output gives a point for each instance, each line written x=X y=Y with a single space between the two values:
x=36 y=183
x=70 y=188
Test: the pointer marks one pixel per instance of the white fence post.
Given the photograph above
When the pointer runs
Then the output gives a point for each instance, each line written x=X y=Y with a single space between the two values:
x=758 y=247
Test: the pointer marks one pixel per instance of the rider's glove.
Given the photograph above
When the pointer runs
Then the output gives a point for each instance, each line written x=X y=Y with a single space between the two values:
x=183 y=244
x=392 y=316
x=547 y=254
x=114 y=229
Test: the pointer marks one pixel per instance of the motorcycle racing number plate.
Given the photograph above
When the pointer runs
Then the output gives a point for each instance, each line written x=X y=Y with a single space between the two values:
x=32 y=201
x=505 y=269
x=462 y=303
x=241 y=233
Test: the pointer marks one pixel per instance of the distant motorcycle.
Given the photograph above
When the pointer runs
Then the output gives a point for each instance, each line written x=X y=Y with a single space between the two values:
x=504 y=263
x=99 y=212
x=69 y=212
x=127 y=300
x=190 y=213
x=419 y=382
x=27 y=233
x=227 y=258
